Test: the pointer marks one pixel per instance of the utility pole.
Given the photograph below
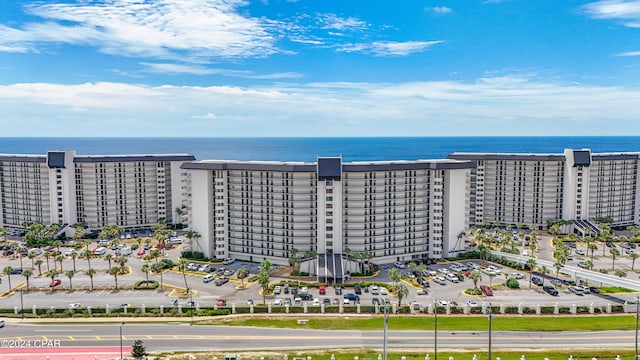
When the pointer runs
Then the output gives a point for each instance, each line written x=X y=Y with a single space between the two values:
x=22 y=313
x=121 y=355
x=637 y=313
x=490 y=318
x=435 y=329
x=385 y=328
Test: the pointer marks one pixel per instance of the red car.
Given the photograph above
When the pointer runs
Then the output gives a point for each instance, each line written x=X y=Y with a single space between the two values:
x=142 y=252
x=221 y=302
x=55 y=282
x=486 y=290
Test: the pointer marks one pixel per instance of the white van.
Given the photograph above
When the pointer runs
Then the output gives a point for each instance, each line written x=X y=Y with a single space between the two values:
x=100 y=251
x=125 y=251
x=452 y=277
x=208 y=278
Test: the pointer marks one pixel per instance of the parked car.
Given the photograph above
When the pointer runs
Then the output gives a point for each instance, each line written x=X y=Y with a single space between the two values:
x=375 y=301
x=440 y=280
x=221 y=302
x=338 y=290
x=423 y=292
x=576 y=290
x=277 y=290
x=516 y=275
x=208 y=278
x=221 y=281
x=486 y=290
x=358 y=290
x=374 y=290
x=536 y=280
x=472 y=303
x=228 y=261
x=594 y=290
x=399 y=265
x=352 y=297
x=55 y=282
x=579 y=252
x=383 y=290
x=550 y=290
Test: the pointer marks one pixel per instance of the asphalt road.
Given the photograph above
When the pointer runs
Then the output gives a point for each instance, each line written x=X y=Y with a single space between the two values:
x=173 y=337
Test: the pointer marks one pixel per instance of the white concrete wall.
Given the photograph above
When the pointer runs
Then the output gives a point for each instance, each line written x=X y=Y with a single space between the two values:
x=456 y=209
x=202 y=212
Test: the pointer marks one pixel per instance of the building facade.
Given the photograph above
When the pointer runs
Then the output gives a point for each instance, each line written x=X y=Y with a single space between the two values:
x=393 y=211
x=532 y=189
x=61 y=187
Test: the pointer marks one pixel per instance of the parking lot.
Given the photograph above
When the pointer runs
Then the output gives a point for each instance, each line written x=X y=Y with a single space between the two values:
x=442 y=288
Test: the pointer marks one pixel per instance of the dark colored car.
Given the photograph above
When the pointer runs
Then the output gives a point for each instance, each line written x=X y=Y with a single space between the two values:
x=134 y=246
x=338 y=290
x=358 y=290
x=536 y=280
x=17 y=271
x=550 y=290
x=352 y=297
x=594 y=290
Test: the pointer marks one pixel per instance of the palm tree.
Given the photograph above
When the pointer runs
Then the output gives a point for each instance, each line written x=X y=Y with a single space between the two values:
x=108 y=258
x=633 y=256
x=115 y=271
x=476 y=277
x=145 y=269
x=90 y=273
x=531 y=264
x=588 y=264
x=294 y=259
x=182 y=267
x=242 y=274
x=47 y=255
x=263 y=280
x=401 y=291
x=155 y=253
x=31 y=257
x=593 y=247
x=27 y=275
x=394 y=276
x=614 y=252
x=122 y=261
x=191 y=235
x=70 y=274
x=266 y=266
x=88 y=254
x=39 y=265
x=544 y=271
x=74 y=255
x=60 y=259
x=7 y=271
x=558 y=265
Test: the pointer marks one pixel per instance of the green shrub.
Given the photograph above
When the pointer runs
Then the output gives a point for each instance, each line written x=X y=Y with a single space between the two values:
x=513 y=283
x=194 y=255
x=146 y=285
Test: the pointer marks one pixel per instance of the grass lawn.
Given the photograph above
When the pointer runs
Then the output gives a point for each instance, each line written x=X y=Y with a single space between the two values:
x=411 y=354
x=467 y=322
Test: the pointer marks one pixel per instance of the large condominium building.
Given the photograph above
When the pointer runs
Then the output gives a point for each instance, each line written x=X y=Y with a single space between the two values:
x=64 y=188
x=394 y=211
x=531 y=189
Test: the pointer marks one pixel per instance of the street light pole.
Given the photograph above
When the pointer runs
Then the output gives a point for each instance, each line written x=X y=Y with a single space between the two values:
x=637 y=313
x=121 y=355
x=22 y=307
x=385 y=327
x=490 y=318
x=435 y=330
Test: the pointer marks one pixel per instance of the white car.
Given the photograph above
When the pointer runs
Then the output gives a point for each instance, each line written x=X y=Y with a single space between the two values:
x=374 y=290
x=277 y=302
x=443 y=302
x=443 y=271
x=399 y=265
x=579 y=252
x=383 y=291
x=346 y=301
x=316 y=302
x=516 y=275
x=472 y=303
x=74 y=305
x=440 y=280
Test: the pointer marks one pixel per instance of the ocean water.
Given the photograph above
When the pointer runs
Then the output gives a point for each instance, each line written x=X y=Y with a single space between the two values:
x=308 y=149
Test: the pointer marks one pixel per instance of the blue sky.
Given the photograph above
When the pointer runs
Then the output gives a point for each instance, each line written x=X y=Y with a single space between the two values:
x=319 y=68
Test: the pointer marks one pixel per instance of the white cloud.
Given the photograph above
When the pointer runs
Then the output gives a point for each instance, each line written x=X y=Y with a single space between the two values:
x=333 y=21
x=176 y=29
x=505 y=105
x=627 y=11
x=389 y=48
x=629 y=53
x=442 y=10
x=167 y=68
